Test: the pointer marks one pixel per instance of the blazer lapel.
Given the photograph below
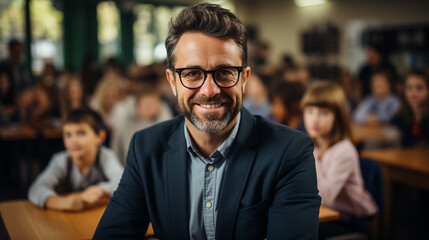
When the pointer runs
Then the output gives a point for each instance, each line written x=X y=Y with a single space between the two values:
x=177 y=184
x=239 y=165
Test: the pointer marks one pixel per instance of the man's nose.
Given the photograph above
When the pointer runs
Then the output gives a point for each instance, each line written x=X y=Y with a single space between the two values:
x=209 y=88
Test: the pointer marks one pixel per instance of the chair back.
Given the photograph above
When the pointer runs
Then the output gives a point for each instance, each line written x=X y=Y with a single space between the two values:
x=373 y=180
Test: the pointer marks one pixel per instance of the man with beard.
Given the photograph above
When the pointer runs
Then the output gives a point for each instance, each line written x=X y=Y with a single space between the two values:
x=217 y=172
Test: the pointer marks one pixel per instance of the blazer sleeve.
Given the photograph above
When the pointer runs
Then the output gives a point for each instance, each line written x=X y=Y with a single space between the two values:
x=294 y=213
x=126 y=216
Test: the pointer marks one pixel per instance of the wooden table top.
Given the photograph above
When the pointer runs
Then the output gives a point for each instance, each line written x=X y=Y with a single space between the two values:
x=361 y=133
x=326 y=214
x=23 y=220
x=416 y=159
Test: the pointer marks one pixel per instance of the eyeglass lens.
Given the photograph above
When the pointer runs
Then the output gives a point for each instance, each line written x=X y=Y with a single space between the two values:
x=224 y=77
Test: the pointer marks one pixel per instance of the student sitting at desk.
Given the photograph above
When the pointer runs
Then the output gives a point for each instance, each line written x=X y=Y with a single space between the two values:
x=413 y=116
x=380 y=105
x=84 y=175
x=339 y=176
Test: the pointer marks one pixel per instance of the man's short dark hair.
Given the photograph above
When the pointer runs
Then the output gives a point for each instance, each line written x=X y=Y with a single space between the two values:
x=85 y=115
x=209 y=19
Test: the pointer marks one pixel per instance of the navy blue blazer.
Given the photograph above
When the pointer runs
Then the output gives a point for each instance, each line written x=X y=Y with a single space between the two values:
x=269 y=188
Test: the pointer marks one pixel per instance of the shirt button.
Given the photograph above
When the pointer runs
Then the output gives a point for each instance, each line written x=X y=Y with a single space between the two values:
x=208 y=204
x=210 y=168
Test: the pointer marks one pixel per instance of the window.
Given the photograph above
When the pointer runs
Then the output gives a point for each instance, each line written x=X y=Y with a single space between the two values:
x=108 y=29
x=150 y=31
x=47 y=33
x=12 y=24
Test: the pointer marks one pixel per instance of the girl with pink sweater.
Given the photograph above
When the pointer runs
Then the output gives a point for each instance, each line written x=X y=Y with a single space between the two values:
x=339 y=177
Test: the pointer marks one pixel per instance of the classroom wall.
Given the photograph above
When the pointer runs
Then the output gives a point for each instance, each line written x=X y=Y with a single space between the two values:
x=281 y=22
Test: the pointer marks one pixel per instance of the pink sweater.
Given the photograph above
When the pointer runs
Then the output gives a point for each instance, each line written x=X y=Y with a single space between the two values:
x=340 y=180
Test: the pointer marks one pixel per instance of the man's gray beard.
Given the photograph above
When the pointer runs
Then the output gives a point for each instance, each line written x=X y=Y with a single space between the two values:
x=211 y=125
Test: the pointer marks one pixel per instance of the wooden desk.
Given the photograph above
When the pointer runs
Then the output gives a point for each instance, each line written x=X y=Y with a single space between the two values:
x=26 y=132
x=23 y=220
x=383 y=133
x=407 y=166
x=326 y=214
x=17 y=132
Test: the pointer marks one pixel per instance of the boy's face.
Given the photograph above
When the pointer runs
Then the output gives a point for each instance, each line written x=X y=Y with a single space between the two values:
x=380 y=85
x=81 y=140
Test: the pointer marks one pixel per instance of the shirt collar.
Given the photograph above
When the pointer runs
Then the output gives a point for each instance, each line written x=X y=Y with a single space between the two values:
x=222 y=149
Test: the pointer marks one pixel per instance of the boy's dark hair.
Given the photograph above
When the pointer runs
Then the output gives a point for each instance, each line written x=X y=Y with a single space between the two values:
x=85 y=115
x=209 y=19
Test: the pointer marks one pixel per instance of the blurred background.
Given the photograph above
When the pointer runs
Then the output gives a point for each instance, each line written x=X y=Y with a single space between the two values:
x=58 y=55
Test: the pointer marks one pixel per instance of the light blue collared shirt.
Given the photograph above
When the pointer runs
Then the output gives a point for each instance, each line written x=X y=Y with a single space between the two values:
x=384 y=110
x=205 y=177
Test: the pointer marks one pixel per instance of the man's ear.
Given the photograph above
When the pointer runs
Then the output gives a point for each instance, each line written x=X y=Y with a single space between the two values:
x=101 y=136
x=171 y=80
x=246 y=76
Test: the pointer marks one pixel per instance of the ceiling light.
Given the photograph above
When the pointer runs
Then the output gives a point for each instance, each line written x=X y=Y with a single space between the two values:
x=308 y=3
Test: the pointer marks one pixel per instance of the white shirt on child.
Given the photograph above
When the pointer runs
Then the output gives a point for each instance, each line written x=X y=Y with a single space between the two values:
x=51 y=178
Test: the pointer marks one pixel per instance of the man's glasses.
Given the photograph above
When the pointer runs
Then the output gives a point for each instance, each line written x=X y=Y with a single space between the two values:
x=224 y=77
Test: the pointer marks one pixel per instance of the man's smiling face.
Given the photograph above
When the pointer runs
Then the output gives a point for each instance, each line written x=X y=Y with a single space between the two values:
x=209 y=108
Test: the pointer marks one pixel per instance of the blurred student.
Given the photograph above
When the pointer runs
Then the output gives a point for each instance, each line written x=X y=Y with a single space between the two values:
x=349 y=85
x=381 y=105
x=90 y=75
x=256 y=95
x=63 y=77
x=108 y=93
x=36 y=107
x=84 y=175
x=285 y=104
x=413 y=117
x=297 y=74
x=149 y=109
x=24 y=103
x=7 y=94
x=49 y=75
x=72 y=96
x=18 y=73
x=339 y=177
x=376 y=61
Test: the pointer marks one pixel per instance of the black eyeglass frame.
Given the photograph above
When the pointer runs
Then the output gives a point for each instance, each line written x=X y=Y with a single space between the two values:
x=179 y=71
